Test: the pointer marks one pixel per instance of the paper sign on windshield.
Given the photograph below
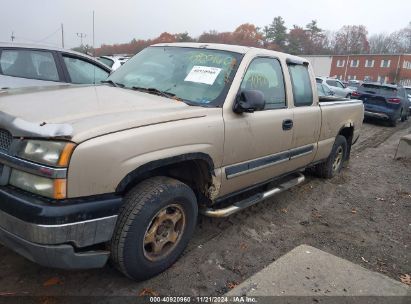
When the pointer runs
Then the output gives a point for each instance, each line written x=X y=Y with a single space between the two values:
x=203 y=74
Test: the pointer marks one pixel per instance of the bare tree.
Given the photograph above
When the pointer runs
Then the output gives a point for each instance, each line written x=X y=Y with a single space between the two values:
x=351 y=39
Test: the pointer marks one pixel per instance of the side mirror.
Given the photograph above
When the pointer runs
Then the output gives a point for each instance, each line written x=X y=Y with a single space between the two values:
x=249 y=101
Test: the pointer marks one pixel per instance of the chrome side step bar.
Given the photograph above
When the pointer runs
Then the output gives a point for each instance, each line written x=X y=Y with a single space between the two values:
x=254 y=199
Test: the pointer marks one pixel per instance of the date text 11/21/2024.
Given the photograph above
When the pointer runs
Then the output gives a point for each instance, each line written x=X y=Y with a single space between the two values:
x=203 y=299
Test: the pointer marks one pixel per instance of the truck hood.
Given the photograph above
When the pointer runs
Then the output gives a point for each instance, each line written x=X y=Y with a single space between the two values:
x=82 y=112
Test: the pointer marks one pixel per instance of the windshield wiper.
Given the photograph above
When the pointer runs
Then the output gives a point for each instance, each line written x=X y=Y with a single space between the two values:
x=155 y=92
x=114 y=84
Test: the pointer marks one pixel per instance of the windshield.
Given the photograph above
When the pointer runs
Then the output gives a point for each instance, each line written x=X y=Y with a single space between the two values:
x=199 y=76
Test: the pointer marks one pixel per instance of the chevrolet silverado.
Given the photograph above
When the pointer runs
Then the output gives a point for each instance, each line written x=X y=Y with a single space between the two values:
x=121 y=170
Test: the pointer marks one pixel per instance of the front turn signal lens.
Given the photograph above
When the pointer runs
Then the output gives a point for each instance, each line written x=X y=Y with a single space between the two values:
x=66 y=154
x=60 y=189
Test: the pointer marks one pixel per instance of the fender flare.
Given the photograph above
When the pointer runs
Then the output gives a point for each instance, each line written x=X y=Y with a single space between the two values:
x=143 y=170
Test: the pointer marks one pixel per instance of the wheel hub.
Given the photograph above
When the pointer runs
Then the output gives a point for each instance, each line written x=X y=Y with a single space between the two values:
x=338 y=158
x=164 y=232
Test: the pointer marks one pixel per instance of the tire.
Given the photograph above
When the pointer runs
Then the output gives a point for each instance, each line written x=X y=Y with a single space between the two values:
x=150 y=212
x=348 y=96
x=393 y=122
x=403 y=115
x=330 y=168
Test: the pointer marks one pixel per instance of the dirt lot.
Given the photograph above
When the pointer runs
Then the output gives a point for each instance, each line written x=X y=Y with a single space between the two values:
x=363 y=215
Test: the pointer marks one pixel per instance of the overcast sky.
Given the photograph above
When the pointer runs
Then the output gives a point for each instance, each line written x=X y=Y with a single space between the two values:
x=122 y=20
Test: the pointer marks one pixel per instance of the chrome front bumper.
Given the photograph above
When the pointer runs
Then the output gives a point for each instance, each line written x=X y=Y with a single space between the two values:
x=52 y=245
x=80 y=234
x=68 y=234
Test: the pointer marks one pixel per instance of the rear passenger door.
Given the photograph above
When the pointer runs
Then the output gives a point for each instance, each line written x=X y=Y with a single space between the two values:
x=256 y=144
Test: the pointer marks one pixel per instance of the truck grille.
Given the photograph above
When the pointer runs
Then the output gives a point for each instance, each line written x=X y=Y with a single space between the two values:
x=5 y=140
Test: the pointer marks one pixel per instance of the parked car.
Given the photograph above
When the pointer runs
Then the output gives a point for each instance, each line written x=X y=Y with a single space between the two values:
x=121 y=170
x=335 y=85
x=114 y=62
x=384 y=101
x=323 y=90
x=354 y=84
x=23 y=65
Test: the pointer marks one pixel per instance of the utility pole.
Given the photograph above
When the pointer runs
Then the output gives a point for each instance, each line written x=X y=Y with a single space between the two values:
x=62 y=36
x=12 y=36
x=81 y=36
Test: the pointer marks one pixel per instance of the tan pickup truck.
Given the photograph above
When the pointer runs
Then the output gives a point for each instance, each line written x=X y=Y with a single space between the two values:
x=121 y=170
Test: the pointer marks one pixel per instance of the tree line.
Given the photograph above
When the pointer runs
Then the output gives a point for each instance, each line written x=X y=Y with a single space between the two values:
x=300 y=40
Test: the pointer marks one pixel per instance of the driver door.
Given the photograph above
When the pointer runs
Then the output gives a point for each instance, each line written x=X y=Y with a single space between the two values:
x=256 y=143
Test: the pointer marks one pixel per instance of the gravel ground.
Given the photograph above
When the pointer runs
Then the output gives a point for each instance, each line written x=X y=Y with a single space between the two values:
x=363 y=215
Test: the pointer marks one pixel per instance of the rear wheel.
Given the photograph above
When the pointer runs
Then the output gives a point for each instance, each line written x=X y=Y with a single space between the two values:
x=155 y=225
x=335 y=160
x=404 y=115
x=393 y=122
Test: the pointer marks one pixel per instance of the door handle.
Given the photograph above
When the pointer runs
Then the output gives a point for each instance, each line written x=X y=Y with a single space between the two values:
x=287 y=124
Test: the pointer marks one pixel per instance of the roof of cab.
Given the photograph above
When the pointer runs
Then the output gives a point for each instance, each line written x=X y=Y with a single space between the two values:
x=231 y=48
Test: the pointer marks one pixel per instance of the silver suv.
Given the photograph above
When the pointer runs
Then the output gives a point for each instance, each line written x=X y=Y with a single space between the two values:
x=23 y=65
x=335 y=86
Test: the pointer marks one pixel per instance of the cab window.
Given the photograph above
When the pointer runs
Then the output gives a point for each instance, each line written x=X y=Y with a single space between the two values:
x=266 y=76
x=301 y=83
x=84 y=72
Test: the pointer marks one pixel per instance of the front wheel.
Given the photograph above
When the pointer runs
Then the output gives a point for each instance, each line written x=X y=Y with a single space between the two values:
x=155 y=225
x=335 y=160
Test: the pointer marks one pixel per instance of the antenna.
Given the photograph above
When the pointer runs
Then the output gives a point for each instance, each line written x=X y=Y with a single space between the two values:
x=62 y=36
x=94 y=52
x=12 y=36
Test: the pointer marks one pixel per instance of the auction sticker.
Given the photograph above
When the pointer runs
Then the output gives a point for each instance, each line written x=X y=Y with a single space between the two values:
x=203 y=74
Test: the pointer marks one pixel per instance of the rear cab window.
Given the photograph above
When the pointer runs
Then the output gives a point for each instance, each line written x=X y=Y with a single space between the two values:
x=32 y=64
x=301 y=84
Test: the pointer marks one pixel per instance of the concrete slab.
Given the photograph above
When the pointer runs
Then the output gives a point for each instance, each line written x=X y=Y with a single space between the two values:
x=404 y=148
x=307 y=271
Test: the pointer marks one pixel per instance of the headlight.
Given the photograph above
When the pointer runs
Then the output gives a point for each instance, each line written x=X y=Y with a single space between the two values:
x=52 y=188
x=54 y=153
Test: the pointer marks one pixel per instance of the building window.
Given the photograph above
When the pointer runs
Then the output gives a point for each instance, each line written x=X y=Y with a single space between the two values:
x=355 y=63
x=340 y=63
x=385 y=63
x=349 y=77
x=369 y=63
x=367 y=78
x=407 y=65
